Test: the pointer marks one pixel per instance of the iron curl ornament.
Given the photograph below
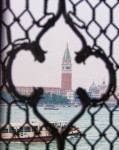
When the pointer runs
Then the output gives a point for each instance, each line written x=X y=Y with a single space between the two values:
x=39 y=54
x=36 y=49
x=34 y=98
x=97 y=52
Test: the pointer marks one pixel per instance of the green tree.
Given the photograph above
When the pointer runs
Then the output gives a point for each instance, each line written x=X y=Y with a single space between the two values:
x=53 y=99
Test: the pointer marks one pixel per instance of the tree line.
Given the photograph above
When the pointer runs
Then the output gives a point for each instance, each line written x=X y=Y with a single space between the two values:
x=53 y=99
x=47 y=99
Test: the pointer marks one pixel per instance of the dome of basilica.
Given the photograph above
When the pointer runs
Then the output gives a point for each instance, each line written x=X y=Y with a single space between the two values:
x=94 y=88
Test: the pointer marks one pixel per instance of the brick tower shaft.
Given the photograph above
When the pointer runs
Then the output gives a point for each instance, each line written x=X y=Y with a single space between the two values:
x=66 y=78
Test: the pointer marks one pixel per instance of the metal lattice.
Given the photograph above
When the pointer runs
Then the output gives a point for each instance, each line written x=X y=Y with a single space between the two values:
x=84 y=23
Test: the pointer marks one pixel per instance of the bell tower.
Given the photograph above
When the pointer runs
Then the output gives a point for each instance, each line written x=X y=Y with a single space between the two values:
x=66 y=79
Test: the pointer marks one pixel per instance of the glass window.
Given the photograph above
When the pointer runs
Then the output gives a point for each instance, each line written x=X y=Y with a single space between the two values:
x=21 y=129
x=27 y=129
x=11 y=130
x=5 y=130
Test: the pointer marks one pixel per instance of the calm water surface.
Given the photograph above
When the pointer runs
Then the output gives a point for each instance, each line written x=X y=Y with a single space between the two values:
x=66 y=114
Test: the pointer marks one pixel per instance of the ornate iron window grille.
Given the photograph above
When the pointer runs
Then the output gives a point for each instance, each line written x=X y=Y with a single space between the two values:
x=77 y=24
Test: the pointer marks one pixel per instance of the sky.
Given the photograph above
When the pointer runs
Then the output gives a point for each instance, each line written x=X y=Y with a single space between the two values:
x=27 y=72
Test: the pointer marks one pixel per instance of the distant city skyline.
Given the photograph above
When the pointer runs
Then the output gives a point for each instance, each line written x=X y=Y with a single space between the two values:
x=48 y=74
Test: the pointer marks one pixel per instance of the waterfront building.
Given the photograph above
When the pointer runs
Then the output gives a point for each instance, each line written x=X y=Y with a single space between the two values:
x=52 y=90
x=94 y=91
x=97 y=91
x=24 y=90
x=70 y=95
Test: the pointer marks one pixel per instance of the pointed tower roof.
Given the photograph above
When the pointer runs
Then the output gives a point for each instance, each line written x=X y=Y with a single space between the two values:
x=66 y=53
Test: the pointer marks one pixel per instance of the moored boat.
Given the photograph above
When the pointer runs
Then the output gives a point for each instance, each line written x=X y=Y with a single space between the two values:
x=51 y=107
x=33 y=132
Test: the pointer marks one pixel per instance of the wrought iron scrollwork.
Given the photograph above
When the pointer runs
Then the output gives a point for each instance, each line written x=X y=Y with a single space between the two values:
x=98 y=53
x=37 y=51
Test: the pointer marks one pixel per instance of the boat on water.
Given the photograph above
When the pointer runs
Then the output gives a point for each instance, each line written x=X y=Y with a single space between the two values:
x=51 y=107
x=33 y=132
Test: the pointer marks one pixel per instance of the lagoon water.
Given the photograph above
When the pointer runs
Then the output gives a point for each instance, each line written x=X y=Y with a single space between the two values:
x=66 y=114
